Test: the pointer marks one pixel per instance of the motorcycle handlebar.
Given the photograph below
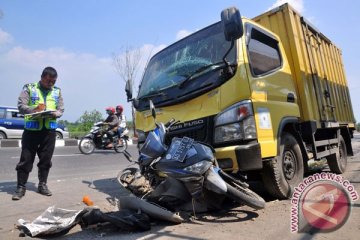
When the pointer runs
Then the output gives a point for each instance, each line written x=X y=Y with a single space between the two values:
x=169 y=123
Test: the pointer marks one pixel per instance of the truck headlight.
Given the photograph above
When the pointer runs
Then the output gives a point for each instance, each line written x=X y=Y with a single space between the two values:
x=228 y=132
x=249 y=128
x=199 y=168
x=235 y=123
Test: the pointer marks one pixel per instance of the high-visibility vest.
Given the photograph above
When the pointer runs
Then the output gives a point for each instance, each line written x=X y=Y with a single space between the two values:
x=50 y=99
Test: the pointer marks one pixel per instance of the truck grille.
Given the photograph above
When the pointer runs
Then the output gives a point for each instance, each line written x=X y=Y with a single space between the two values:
x=198 y=129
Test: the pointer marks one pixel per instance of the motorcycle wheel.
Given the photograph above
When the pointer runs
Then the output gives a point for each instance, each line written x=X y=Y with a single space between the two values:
x=245 y=195
x=121 y=148
x=86 y=146
x=126 y=174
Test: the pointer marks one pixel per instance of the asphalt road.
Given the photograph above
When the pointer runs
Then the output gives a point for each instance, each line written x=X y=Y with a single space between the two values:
x=74 y=175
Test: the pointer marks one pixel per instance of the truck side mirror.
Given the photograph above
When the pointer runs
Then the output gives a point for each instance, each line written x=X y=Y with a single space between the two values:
x=152 y=109
x=232 y=23
x=128 y=90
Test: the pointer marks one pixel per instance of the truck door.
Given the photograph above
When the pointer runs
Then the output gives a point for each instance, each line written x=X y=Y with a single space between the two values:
x=273 y=91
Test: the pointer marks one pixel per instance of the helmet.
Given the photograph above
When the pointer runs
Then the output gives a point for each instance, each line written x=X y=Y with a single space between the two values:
x=110 y=109
x=119 y=107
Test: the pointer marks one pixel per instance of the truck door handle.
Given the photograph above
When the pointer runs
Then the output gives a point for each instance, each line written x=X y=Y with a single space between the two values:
x=291 y=97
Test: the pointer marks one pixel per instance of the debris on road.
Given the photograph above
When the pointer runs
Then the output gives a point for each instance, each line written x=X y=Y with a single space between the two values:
x=152 y=210
x=52 y=221
x=87 y=201
x=133 y=215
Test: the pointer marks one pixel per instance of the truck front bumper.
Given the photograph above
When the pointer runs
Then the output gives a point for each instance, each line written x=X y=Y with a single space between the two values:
x=240 y=158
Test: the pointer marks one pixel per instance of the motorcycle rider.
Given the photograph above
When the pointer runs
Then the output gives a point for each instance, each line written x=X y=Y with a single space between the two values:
x=122 y=120
x=112 y=121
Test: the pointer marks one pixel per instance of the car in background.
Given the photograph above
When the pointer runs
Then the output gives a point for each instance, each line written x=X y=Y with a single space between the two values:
x=12 y=124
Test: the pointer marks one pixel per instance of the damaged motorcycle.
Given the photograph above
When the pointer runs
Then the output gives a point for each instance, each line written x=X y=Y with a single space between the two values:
x=183 y=175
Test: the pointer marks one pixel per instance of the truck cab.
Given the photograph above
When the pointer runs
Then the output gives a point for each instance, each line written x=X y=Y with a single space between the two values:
x=234 y=85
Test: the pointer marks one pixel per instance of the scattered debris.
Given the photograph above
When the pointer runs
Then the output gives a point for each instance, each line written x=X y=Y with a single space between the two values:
x=87 y=201
x=51 y=221
x=134 y=215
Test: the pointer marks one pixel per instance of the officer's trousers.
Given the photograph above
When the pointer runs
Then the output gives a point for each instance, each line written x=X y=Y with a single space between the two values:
x=41 y=143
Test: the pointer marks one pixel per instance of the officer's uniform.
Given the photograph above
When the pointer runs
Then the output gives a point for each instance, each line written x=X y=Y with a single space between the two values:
x=39 y=135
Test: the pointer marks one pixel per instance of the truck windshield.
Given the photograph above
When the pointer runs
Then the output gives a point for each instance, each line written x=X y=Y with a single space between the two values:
x=186 y=59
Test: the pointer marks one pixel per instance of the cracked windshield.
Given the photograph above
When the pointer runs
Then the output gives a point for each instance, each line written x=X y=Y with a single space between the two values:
x=188 y=58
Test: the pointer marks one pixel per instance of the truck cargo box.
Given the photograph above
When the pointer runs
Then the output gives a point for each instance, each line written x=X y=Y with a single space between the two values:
x=316 y=65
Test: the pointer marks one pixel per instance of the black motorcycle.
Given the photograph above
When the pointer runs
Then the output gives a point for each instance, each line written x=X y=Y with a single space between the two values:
x=184 y=171
x=98 y=139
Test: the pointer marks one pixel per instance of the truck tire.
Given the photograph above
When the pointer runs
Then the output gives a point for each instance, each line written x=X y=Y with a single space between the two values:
x=337 y=162
x=245 y=195
x=283 y=173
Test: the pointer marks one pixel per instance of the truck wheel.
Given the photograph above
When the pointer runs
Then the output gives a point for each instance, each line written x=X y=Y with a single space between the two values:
x=282 y=174
x=337 y=162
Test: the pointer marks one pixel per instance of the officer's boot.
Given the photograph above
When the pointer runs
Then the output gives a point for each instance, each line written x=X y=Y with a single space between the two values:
x=42 y=187
x=22 y=178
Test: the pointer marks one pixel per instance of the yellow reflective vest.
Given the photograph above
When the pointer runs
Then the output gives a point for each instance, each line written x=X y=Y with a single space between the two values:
x=50 y=99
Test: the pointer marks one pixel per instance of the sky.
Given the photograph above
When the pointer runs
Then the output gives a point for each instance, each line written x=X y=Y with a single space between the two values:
x=80 y=37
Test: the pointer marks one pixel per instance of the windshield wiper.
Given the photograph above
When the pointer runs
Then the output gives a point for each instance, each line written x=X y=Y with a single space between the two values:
x=200 y=70
x=151 y=95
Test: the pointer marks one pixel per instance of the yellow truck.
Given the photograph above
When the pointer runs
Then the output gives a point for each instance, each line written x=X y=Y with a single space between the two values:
x=269 y=94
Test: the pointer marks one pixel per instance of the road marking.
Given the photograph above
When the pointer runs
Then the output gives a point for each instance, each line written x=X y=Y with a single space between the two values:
x=59 y=155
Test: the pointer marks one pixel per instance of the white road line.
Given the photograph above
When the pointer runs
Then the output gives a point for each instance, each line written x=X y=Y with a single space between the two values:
x=59 y=155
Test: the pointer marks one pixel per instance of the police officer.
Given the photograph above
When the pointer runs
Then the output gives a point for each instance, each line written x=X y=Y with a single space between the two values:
x=39 y=135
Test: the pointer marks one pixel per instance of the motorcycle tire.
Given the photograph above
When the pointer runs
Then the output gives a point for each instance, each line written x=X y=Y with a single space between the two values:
x=120 y=149
x=124 y=175
x=86 y=143
x=246 y=196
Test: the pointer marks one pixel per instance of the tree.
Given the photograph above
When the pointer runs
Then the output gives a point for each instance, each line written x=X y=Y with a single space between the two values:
x=128 y=64
x=63 y=122
x=88 y=119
